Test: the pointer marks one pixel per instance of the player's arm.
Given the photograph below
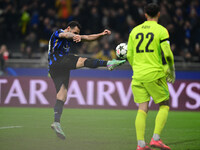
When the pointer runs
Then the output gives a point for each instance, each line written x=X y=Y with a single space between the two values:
x=165 y=45
x=93 y=37
x=130 y=50
x=168 y=54
x=66 y=35
x=69 y=35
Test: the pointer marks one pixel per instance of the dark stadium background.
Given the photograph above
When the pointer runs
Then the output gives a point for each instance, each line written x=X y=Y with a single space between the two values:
x=26 y=25
x=99 y=112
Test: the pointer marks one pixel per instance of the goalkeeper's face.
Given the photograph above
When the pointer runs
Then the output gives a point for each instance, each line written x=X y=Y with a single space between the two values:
x=74 y=30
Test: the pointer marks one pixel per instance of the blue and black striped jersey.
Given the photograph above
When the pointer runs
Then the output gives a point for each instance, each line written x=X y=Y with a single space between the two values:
x=58 y=47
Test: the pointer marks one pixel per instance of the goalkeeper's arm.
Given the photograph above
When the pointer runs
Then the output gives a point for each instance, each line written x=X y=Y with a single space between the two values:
x=169 y=59
x=130 y=50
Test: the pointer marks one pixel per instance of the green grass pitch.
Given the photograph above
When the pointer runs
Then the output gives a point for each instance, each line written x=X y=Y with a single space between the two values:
x=92 y=129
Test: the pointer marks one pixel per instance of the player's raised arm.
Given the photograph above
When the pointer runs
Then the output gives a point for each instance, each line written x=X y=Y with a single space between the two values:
x=67 y=35
x=93 y=37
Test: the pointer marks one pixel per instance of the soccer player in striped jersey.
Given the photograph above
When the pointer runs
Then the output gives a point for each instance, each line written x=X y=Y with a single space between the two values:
x=146 y=41
x=61 y=61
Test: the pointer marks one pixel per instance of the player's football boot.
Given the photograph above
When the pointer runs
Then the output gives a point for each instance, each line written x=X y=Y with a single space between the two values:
x=111 y=64
x=57 y=128
x=159 y=144
x=144 y=148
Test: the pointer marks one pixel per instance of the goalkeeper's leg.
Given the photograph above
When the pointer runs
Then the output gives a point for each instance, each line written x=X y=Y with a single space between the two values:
x=140 y=124
x=160 y=122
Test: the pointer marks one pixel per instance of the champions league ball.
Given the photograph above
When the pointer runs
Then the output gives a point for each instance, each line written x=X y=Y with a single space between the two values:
x=121 y=50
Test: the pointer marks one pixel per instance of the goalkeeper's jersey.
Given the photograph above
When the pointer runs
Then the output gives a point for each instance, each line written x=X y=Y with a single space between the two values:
x=144 y=51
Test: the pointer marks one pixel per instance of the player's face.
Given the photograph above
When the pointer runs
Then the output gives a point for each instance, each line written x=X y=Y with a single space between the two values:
x=75 y=30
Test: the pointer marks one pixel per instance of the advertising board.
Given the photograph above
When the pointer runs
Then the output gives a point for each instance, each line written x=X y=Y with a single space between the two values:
x=86 y=92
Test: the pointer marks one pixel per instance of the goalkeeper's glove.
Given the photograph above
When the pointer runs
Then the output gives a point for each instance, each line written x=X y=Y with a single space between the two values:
x=171 y=74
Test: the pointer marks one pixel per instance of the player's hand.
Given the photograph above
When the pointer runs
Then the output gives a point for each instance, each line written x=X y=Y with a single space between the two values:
x=106 y=32
x=171 y=75
x=77 y=38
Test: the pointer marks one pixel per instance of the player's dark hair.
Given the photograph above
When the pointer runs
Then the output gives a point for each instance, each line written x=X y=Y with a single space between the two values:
x=73 y=24
x=152 y=9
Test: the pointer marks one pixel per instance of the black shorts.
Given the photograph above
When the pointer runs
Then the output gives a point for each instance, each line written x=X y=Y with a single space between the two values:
x=60 y=70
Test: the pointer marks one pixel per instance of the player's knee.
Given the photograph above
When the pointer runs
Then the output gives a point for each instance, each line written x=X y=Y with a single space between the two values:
x=61 y=97
x=144 y=107
x=62 y=94
x=164 y=103
x=81 y=62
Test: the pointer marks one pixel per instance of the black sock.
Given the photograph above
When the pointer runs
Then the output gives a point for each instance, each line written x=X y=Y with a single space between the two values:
x=94 y=63
x=58 y=108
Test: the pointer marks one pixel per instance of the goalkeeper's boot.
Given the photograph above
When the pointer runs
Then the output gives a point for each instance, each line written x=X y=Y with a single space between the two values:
x=159 y=144
x=143 y=148
x=57 y=128
x=111 y=64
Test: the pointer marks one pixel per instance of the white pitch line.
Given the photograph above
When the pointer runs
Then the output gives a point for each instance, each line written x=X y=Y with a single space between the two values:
x=10 y=127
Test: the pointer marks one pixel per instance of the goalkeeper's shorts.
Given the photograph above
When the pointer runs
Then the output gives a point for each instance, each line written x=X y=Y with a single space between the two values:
x=157 y=89
x=60 y=70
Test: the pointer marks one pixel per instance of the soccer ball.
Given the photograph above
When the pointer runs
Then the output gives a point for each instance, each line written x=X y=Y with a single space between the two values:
x=121 y=50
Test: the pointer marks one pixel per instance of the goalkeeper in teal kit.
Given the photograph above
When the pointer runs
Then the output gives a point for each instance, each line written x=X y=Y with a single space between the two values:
x=146 y=41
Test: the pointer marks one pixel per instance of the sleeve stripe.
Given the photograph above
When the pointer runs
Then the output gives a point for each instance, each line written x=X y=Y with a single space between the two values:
x=167 y=39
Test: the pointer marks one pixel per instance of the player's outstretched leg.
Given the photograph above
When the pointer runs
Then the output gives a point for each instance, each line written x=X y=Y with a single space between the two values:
x=57 y=128
x=94 y=63
x=114 y=63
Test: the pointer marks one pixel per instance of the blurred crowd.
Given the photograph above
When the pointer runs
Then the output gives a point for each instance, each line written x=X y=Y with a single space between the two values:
x=26 y=25
x=4 y=54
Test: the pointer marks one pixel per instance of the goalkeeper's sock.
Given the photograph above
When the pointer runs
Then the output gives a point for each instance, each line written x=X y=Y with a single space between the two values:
x=160 y=121
x=141 y=143
x=58 y=108
x=94 y=63
x=156 y=137
x=140 y=123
